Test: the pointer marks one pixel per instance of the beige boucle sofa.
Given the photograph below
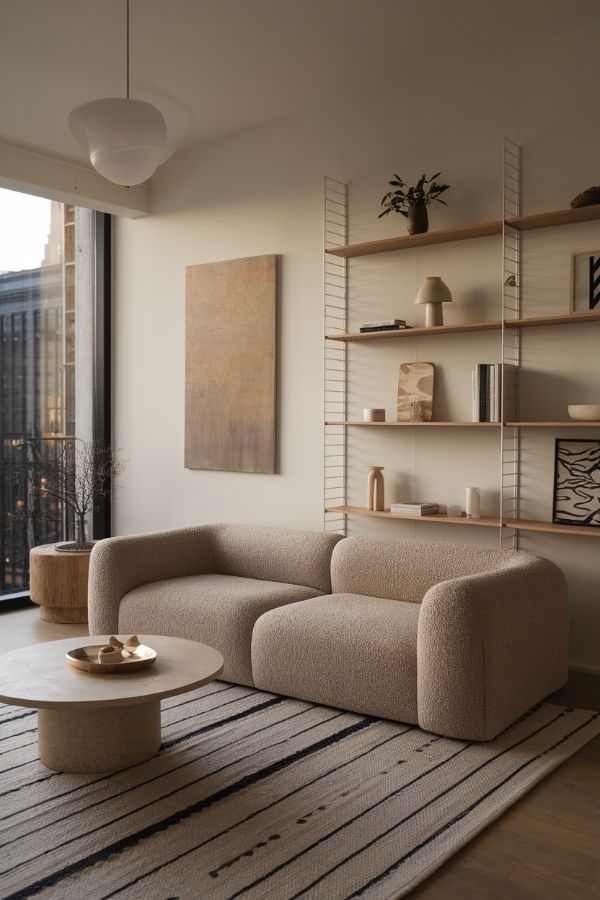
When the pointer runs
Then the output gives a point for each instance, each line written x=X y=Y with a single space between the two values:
x=457 y=639
x=208 y=583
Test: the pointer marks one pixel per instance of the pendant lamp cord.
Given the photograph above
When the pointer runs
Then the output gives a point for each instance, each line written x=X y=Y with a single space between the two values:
x=127 y=50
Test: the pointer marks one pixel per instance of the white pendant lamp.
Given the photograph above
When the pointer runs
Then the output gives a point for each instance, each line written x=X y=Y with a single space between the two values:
x=125 y=138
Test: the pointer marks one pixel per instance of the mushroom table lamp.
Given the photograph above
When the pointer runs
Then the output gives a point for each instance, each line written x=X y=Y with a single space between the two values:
x=433 y=292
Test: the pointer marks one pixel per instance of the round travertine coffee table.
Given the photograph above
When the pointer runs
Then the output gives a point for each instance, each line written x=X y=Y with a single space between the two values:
x=101 y=723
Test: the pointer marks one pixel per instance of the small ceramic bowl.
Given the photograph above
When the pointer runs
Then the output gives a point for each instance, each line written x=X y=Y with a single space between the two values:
x=585 y=412
x=114 y=656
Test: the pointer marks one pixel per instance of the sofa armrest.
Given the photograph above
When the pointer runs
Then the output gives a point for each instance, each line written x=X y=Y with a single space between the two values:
x=490 y=646
x=119 y=564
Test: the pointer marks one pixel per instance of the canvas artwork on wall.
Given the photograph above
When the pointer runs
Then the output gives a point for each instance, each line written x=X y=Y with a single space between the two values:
x=585 y=282
x=230 y=365
x=577 y=482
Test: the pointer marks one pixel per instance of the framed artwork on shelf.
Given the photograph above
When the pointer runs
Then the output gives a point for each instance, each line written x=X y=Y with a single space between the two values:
x=585 y=281
x=576 y=482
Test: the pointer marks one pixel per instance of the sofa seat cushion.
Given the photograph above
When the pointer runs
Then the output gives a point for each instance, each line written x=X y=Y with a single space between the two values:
x=345 y=650
x=218 y=610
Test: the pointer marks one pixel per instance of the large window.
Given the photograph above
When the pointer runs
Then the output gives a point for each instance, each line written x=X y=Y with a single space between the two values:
x=53 y=354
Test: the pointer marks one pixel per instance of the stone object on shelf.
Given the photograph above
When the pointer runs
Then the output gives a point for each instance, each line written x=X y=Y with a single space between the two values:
x=589 y=197
x=417 y=411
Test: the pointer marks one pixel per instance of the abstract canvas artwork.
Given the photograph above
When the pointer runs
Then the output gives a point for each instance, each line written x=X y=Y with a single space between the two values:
x=415 y=382
x=577 y=482
x=230 y=365
x=585 y=282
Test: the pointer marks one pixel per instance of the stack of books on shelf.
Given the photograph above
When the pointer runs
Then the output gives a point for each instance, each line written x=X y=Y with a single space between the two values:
x=384 y=325
x=414 y=509
x=487 y=392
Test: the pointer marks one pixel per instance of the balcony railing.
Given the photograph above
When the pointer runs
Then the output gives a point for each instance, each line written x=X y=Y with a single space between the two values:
x=27 y=517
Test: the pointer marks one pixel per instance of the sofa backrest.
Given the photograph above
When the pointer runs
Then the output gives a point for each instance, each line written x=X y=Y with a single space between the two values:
x=405 y=570
x=275 y=554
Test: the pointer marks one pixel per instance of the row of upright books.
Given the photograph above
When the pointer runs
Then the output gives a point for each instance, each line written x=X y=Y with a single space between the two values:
x=487 y=392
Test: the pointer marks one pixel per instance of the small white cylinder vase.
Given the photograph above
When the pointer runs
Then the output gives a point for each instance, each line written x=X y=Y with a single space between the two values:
x=473 y=503
x=374 y=415
x=375 y=489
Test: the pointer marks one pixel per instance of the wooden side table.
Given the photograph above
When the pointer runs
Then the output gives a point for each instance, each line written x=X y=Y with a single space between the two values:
x=58 y=582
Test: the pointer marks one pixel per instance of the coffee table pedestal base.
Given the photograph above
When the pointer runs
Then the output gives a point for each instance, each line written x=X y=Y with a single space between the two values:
x=100 y=738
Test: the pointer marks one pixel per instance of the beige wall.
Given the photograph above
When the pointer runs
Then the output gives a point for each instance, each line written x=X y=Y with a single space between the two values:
x=261 y=191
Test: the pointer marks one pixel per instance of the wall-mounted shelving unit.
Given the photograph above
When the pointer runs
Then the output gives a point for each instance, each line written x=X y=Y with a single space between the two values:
x=337 y=337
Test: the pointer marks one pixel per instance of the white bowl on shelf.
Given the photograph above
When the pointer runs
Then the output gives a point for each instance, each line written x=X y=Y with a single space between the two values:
x=585 y=412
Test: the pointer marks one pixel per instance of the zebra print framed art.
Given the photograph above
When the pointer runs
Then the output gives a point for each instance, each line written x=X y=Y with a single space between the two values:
x=577 y=482
x=585 y=282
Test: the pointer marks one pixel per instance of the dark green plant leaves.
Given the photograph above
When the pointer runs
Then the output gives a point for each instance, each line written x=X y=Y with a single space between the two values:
x=400 y=201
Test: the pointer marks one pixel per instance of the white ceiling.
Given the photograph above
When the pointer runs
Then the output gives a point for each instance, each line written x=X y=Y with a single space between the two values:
x=214 y=67
x=211 y=66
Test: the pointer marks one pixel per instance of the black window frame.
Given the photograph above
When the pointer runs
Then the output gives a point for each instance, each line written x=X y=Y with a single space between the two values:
x=102 y=379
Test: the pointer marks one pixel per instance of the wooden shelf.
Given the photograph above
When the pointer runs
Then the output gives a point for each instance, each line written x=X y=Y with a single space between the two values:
x=539 y=321
x=415 y=332
x=570 y=423
x=407 y=241
x=417 y=424
x=438 y=519
x=466 y=327
x=558 y=217
x=484 y=521
x=465 y=233
x=552 y=527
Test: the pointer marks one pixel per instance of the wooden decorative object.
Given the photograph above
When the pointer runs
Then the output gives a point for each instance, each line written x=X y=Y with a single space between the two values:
x=230 y=368
x=58 y=583
x=587 y=198
x=415 y=382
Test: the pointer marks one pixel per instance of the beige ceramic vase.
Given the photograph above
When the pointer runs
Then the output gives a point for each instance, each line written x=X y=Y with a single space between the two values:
x=375 y=489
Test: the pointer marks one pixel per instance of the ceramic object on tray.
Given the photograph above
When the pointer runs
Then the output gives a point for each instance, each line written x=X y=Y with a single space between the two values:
x=585 y=412
x=86 y=659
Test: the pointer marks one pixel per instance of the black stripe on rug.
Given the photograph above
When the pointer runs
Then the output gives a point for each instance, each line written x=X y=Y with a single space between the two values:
x=110 y=774
x=262 y=809
x=82 y=787
x=369 y=809
x=179 y=816
x=164 y=774
x=205 y=729
x=460 y=816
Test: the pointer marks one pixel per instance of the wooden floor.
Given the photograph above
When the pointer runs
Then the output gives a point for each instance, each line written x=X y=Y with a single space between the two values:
x=545 y=847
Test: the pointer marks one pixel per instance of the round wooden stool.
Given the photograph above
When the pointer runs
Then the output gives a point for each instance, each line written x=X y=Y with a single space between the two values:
x=58 y=583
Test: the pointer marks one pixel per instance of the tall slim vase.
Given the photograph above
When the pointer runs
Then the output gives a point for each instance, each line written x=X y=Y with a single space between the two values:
x=375 y=489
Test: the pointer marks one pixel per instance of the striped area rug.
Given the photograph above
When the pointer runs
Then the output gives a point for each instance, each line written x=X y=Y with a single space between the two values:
x=258 y=796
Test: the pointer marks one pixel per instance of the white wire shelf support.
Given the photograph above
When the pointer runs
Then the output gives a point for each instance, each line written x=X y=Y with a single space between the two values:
x=511 y=344
x=335 y=315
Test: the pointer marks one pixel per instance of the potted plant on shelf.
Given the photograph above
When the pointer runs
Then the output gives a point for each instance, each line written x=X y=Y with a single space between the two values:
x=412 y=202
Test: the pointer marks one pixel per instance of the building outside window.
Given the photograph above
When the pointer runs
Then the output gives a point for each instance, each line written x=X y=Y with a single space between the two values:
x=49 y=303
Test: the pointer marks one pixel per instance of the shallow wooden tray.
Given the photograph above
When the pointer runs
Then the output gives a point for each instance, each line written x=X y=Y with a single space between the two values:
x=86 y=659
